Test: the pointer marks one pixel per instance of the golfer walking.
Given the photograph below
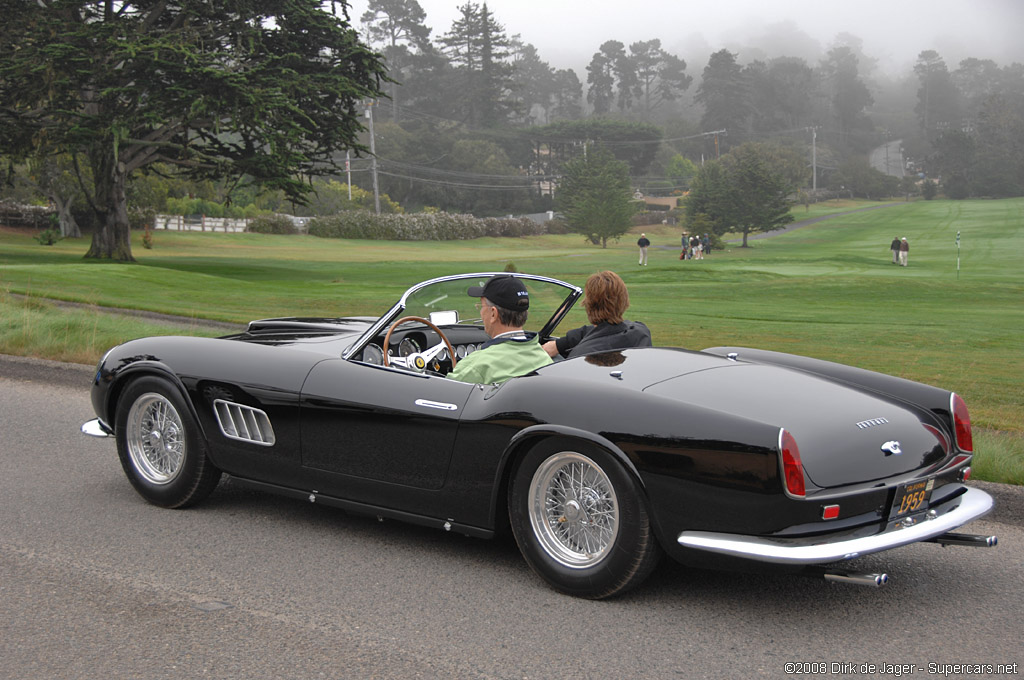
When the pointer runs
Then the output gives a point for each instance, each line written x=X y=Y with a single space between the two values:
x=643 y=243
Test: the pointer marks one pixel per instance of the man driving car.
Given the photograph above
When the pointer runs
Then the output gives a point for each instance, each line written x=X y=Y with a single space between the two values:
x=511 y=351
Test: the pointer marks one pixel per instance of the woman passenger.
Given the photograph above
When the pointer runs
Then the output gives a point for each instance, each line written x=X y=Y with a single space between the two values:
x=605 y=300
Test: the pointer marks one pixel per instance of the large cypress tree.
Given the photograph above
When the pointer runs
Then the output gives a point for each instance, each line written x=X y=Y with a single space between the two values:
x=252 y=90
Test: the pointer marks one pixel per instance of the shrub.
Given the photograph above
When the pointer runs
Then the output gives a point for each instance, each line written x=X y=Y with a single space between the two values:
x=48 y=237
x=272 y=224
x=360 y=224
x=557 y=226
x=929 y=189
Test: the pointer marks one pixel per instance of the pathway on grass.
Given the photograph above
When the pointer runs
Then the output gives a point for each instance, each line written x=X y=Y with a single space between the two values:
x=811 y=220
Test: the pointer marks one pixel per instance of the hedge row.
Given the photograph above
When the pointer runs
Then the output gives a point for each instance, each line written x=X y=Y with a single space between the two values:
x=359 y=224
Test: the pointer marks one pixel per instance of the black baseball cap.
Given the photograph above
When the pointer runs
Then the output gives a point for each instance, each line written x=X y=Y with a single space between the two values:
x=504 y=291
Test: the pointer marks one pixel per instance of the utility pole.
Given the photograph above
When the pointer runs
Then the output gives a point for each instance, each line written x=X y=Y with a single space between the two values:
x=373 y=157
x=715 y=134
x=348 y=174
x=814 y=158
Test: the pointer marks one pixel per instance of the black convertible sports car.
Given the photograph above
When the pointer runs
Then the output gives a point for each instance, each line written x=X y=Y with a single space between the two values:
x=598 y=464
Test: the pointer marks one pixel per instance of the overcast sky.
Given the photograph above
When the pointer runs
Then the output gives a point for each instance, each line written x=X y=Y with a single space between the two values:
x=567 y=33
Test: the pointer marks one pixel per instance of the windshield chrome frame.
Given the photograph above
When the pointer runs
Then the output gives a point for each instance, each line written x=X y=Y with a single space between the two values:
x=574 y=293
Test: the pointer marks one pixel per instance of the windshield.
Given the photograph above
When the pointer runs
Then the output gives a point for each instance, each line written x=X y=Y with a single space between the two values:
x=446 y=302
x=451 y=295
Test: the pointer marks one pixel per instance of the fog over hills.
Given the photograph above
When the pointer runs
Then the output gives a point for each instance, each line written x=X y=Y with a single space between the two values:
x=568 y=32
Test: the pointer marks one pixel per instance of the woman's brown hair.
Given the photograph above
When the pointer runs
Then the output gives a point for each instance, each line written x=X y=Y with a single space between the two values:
x=605 y=298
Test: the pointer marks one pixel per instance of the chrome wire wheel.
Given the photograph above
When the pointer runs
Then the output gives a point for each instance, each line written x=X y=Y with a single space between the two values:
x=155 y=438
x=573 y=510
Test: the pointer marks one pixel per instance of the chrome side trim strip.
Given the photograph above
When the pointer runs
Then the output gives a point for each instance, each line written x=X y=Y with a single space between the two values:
x=972 y=504
x=436 y=404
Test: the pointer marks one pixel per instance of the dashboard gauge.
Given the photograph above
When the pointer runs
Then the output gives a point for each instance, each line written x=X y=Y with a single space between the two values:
x=460 y=351
x=372 y=354
x=443 y=355
x=407 y=346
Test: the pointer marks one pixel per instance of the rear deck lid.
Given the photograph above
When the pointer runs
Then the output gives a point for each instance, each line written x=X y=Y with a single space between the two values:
x=846 y=436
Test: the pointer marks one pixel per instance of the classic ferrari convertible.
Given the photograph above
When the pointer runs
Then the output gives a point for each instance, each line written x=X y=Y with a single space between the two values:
x=598 y=464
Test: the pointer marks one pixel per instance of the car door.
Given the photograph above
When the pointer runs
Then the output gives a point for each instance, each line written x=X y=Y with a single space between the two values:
x=378 y=423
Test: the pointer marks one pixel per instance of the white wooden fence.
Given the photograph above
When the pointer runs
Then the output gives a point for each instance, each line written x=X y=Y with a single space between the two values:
x=200 y=223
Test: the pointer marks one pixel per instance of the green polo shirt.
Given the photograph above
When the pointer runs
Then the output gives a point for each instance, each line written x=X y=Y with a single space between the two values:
x=503 y=360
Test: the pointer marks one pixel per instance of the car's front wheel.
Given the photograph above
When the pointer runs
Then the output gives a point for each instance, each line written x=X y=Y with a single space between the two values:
x=580 y=520
x=160 y=447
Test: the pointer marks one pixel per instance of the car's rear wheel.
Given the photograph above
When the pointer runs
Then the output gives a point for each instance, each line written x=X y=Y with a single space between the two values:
x=160 y=447
x=580 y=520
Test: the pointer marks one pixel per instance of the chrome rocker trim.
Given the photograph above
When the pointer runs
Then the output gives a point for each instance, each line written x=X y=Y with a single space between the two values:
x=972 y=504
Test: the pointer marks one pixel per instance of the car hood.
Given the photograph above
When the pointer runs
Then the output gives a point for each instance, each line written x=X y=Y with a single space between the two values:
x=840 y=430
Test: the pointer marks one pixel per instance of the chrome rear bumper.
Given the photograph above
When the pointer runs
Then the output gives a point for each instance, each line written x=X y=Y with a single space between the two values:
x=818 y=550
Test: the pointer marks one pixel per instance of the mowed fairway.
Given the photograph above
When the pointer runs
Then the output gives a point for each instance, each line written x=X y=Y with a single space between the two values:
x=827 y=290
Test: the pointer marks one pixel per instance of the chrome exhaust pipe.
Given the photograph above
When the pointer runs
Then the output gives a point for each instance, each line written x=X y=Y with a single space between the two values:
x=872 y=580
x=972 y=540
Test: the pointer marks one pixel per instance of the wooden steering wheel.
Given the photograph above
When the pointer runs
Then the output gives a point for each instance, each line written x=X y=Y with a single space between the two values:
x=404 y=319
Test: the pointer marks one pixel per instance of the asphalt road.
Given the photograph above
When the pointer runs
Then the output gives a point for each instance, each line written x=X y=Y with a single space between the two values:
x=95 y=583
x=888 y=158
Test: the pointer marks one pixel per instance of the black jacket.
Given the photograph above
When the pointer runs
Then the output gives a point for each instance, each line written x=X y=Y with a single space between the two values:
x=603 y=337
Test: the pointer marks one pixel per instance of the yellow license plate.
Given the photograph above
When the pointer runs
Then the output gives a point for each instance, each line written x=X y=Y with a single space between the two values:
x=911 y=498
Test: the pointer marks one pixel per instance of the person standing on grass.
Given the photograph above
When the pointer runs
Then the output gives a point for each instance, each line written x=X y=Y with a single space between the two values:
x=904 y=251
x=895 y=248
x=643 y=243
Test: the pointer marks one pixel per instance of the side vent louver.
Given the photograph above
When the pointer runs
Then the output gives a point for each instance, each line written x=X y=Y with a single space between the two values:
x=244 y=423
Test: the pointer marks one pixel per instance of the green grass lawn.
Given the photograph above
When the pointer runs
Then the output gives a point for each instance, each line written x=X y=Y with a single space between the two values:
x=826 y=290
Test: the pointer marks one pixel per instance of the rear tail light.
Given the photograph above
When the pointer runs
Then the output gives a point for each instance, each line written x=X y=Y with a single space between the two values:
x=961 y=423
x=792 y=466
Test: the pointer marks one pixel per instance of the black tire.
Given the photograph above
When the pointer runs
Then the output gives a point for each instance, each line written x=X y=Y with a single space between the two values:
x=160 y=447
x=580 y=520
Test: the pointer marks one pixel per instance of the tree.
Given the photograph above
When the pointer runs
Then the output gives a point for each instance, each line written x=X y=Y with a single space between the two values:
x=478 y=48
x=533 y=82
x=709 y=205
x=857 y=176
x=740 y=193
x=760 y=202
x=725 y=94
x=680 y=170
x=54 y=177
x=601 y=76
x=594 y=195
x=568 y=96
x=635 y=143
x=246 y=91
x=847 y=94
x=938 y=101
x=660 y=77
x=398 y=26
x=781 y=93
